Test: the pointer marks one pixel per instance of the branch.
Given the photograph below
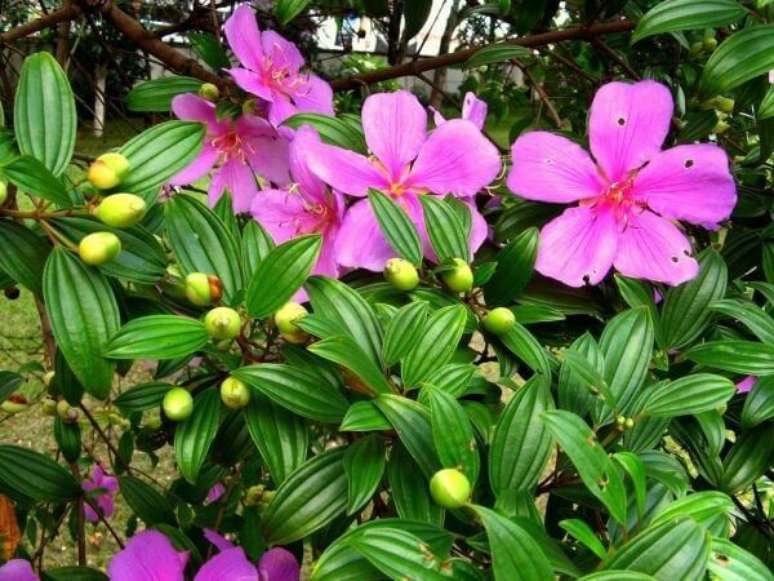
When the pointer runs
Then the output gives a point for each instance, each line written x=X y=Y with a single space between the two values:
x=64 y=14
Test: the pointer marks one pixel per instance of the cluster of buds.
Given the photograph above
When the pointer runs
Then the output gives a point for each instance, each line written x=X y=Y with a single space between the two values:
x=623 y=423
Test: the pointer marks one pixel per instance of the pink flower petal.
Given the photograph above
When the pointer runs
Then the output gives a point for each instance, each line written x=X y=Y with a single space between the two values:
x=344 y=170
x=283 y=53
x=654 y=249
x=395 y=126
x=283 y=214
x=688 y=182
x=252 y=82
x=190 y=107
x=579 y=246
x=18 y=570
x=745 y=385
x=479 y=229
x=314 y=96
x=198 y=168
x=438 y=118
x=551 y=168
x=231 y=564
x=455 y=159
x=306 y=137
x=279 y=564
x=238 y=179
x=148 y=556
x=474 y=109
x=328 y=263
x=628 y=124
x=244 y=37
x=360 y=243
x=269 y=158
x=282 y=108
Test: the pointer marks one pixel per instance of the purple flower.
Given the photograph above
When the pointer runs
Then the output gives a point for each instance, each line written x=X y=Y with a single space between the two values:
x=307 y=207
x=18 y=570
x=101 y=488
x=473 y=109
x=746 y=384
x=214 y=494
x=406 y=162
x=240 y=149
x=276 y=564
x=272 y=70
x=630 y=198
x=148 y=556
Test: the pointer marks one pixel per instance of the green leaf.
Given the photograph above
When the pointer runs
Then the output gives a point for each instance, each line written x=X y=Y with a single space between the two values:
x=398 y=554
x=582 y=532
x=453 y=378
x=448 y=236
x=738 y=356
x=627 y=343
x=515 y=264
x=44 y=116
x=31 y=176
x=497 y=53
x=766 y=108
x=23 y=255
x=744 y=55
x=411 y=421
x=157 y=337
x=73 y=574
x=689 y=395
x=635 y=468
x=351 y=315
x=397 y=227
x=453 y=434
x=33 y=475
x=345 y=352
x=364 y=465
x=210 y=50
x=256 y=245
x=68 y=439
x=310 y=498
x=759 y=403
x=750 y=456
x=760 y=323
x=521 y=443
x=364 y=416
x=677 y=15
x=515 y=554
x=158 y=153
x=675 y=550
x=295 y=389
x=9 y=382
x=526 y=347
x=700 y=506
x=332 y=130
x=84 y=316
x=730 y=562
x=588 y=375
x=595 y=468
x=202 y=243
x=146 y=502
x=142 y=397
x=617 y=575
x=194 y=435
x=685 y=312
x=281 y=437
x=155 y=96
x=287 y=10
x=281 y=274
x=416 y=14
x=404 y=330
x=436 y=346
x=410 y=489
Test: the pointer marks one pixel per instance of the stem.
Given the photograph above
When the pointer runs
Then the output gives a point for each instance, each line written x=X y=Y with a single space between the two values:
x=104 y=438
x=81 y=516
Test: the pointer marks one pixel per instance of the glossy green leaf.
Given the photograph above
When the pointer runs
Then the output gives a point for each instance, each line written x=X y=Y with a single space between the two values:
x=332 y=130
x=256 y=245
x=398 y=229
x=448 y=236
x=364 y=416
x=738 y=356
x=404 y=330
x=436 y=346
x=497 y=53
x=410 y=489
x=688 y=395
x=311 y=497
x=453 y=434
x=364 y=462
x=730 y=562
x=521 y=444
x=194 y=435
x=157 y=337
x=9 y=382
x=33 y=475
x=44 y=115
x=73 y=574
x=526 y=347
x=744 y=55
x=572 y=390
x=700 y=506
x=677 y=15
x=345 y=352
x=84 y=316
x=750 y=456
x=287 y=10
x=766 y=108
x=759 y=403
x=760 y=323
x=398 y=554
x=453 y=378
x=634 y=467
x=142 y=397
x=210 y=50
x=23 y=255
x=295 y=389
x=281 y=274
x=31 y=176
x=583 y=533
x=68 y=439
x=515 y=264
x=155 y=96
x=146 y=502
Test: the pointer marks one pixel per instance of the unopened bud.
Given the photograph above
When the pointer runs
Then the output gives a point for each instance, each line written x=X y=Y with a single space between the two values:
x=459 y=278
x=254 y=494
x=177 y=404
x=107 y=171
x=629 y=424
x=49 y=406
x=499 y=321
x=249 y=107
x=234 y=393
x=99 y=247
x=450 y=488
x=287 y=316
x=62 y=408
x=48 y=377
x=222 y=323
x=710 y=43
x=14 y=404
x=209 y=91
x=203 y=289
x=697 y=48
x=401 y=274
x=121 y=210
x=152 y=419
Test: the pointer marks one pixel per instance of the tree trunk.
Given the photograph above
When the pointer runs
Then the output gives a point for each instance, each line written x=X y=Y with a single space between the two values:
x=99 y=100
x=63 y=40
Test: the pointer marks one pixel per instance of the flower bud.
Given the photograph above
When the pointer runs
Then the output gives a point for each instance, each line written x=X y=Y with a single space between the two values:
x=286 y=318
x=222 y=323
x=99 y=247
x=499 y=321
x=3 y=192
x=14 y=404
x=709 y=43
x=152 y=419
x=722 y=104
x=459 y=278
x=108 y=170
x=629 y=423
x=697 y=48
x=121 y=210
x=450 y=488
x=203 y=289
x=49 y=406
x=234 y=394
x=720 y=127
x=254 y=494
x=62 y=408
x=177 y=404
x=401 y=274
x=209 y=91
x=49 y=377
x=249 y=107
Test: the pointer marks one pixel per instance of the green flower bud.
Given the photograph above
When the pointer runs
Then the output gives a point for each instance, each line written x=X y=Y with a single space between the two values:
x=108 y=170
x=720 y=127
x=286 y=318
x=499 y=321
x=629 y=423
x=254 y=494
x=3 y=192
x=209 y=91
x=177 y=404
x=152 y=420
x=121 y=210
x=99 y=248
x=450 y=488
x=697 y=48
x=459 y=278
x=249 y=107
x=401 y=274
x=222 y=323
x=14 y=404
x=62 y=408
x=48 y=378
x=203 y=289
x=234 y=393
x=709 y=43
x=49 y=406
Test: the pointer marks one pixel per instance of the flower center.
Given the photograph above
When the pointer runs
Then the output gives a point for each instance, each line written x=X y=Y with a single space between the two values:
x=618 y=198
x=231 y=146
x=281 y=78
